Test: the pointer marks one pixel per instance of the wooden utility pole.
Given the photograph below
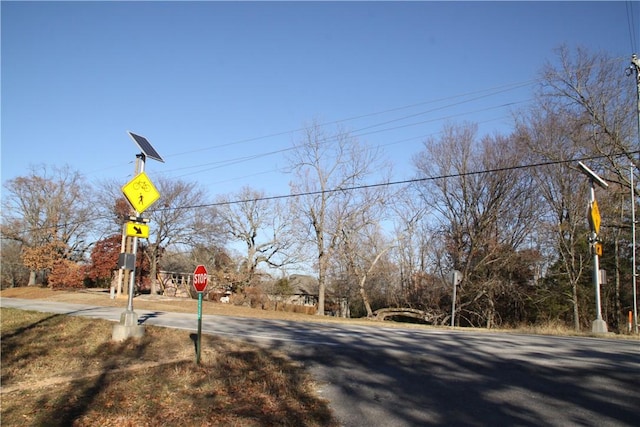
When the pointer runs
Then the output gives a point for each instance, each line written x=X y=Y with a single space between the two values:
x=635 y=67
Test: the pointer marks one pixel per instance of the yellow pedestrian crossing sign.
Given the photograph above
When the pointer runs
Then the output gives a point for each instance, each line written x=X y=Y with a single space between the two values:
x=140 y=192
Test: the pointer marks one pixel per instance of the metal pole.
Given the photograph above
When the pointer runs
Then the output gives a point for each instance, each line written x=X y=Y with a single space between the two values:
x=128 y=326
x=635 y=64
x=199 y=338
x=596 y=259
x=134 y=250
x=599 y=325
x=453 y=303
x=633 y=258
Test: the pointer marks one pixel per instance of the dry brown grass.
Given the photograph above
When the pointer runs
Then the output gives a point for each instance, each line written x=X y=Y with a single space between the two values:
x=60 y=371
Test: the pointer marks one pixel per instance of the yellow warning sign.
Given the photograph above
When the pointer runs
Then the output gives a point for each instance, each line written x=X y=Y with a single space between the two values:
x=136 y=229
x=140 y=192
x=595 y=217
x=598 y=249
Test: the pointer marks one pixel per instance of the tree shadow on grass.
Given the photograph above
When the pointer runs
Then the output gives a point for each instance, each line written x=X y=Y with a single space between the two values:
x=65 y=408
x=149 y=381
x=261 y=385
x=23 y=329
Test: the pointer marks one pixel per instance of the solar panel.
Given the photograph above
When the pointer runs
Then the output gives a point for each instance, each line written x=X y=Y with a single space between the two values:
x=146 y=147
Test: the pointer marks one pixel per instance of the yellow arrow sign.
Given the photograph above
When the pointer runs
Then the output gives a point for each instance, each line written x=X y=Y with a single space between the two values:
x=598 y=249
x=140 y=192
x=135 y=229
x=595 y=217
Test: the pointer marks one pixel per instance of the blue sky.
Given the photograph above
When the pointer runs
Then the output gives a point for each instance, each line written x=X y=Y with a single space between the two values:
x=218 y=86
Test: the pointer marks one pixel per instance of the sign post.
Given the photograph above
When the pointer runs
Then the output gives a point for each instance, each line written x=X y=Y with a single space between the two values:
x=455 y=276
x=598 y=326
x=200 y=283
x=141 y=194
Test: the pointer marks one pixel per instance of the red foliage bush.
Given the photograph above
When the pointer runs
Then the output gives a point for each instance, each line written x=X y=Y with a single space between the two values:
x=66 y=274
x=104 y=259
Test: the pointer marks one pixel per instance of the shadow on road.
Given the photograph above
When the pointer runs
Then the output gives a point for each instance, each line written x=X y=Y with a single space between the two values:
x=418 y=377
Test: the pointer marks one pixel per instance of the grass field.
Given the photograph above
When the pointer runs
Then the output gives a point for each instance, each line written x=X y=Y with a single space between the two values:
x=62 y=371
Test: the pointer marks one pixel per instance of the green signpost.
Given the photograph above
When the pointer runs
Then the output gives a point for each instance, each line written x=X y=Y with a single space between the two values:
x=200 y=283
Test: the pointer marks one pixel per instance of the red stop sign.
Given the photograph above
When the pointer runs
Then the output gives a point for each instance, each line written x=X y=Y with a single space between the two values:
x=200 y=278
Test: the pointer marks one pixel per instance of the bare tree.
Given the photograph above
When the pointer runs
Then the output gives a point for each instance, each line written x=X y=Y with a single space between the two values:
x=581 y=109
x=12 y=270
x=362 y=246
x=176 y=222
x=261 y=226
x=485 y=208
x=551 y=138
x=327 y=167
x=415 y=241
x=592 y=94
x=50 y=206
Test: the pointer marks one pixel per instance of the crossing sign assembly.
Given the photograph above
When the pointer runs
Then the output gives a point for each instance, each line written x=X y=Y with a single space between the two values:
x=140 y=192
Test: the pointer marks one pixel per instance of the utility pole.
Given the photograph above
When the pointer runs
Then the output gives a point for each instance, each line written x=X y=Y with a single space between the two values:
x=633 y=258
x=635 y=66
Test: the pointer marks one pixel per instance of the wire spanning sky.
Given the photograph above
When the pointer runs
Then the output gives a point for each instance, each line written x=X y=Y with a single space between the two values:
x=223 y=89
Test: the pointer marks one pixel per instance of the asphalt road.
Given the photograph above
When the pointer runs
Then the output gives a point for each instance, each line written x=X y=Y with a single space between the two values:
x=376 y=376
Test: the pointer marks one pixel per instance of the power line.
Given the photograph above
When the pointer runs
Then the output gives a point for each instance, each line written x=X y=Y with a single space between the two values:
x=281 y=170
x=631 y=25
x=229 y=162
x=366 y=186
x=488 y=92
x=476 y=96
x=402 y=182
x=479 y=94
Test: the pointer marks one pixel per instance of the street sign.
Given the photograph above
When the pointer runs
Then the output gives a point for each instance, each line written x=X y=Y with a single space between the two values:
x=598 y=249
x=140 y=192
x=135 y=229
x=200 y=278
x=127 y=261
x=200 y=283
x=594 y=215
